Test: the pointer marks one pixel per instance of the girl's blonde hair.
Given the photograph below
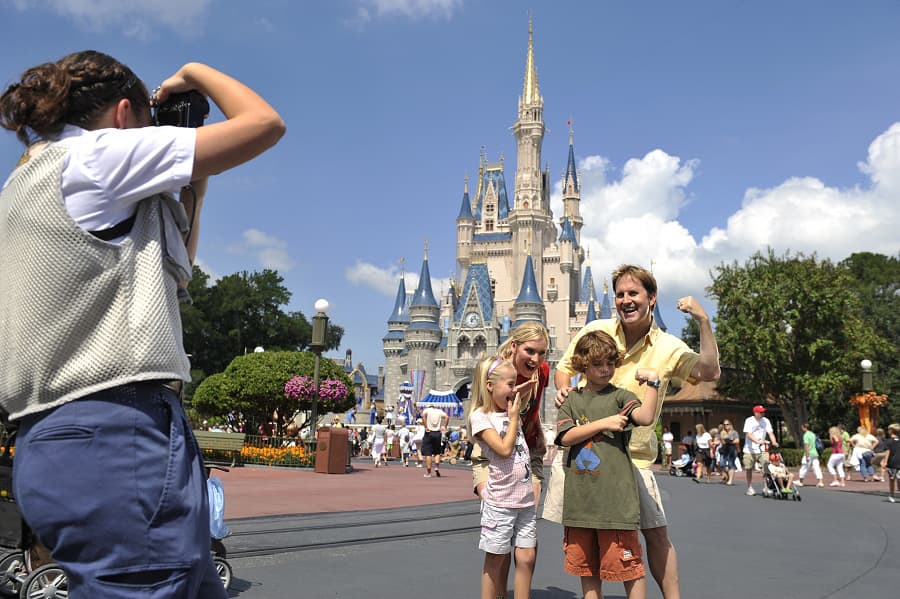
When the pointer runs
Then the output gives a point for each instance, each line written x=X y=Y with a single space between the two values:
x=700 y=428
x=525 y=332
x=488 y=369
x=834 y=432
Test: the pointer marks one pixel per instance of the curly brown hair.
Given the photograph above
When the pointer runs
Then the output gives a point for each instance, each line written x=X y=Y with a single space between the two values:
x=74 y=90
x=595 y=347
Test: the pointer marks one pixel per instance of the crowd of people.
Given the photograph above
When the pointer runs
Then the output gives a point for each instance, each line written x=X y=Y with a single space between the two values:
x=714 y=453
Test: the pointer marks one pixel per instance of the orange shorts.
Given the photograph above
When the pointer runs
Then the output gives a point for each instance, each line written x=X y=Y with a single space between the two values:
x=613 y=555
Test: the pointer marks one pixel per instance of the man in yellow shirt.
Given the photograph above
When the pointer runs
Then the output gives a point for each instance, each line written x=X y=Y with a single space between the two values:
x=646 y=346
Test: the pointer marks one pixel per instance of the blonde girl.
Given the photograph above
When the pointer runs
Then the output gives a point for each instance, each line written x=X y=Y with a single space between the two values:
x=836 y=461
x=508 y=516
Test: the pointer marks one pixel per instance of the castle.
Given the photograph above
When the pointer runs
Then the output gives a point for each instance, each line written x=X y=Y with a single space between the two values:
x=514 y=263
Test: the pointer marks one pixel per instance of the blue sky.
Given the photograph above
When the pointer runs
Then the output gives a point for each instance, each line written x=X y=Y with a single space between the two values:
x=704 y=131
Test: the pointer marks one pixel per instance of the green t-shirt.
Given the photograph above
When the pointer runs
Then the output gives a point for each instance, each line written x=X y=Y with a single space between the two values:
x=600 y=491
x=809 y=438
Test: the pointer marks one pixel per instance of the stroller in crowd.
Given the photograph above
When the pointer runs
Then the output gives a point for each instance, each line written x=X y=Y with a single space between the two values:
x=683 y=466
x=778 y=480
x=26 y=568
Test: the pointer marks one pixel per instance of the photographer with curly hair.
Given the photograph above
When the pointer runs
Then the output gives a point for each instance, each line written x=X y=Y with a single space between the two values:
x=92 y=256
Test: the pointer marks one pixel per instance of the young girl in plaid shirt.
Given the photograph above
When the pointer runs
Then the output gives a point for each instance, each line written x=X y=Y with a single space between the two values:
x=508 y=509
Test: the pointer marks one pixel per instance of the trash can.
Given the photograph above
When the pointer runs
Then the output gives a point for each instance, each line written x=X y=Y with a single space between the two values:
x=331 y=450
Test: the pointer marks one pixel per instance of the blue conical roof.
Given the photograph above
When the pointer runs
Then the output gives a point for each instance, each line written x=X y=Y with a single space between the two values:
x=529 y=294
x=424 y=295
x=605 y=308
x=465 y=211
x=591 y=313
x=568 y=232
x=657 y=316
x=587 y=284
x=400 y=314
x=571 y=172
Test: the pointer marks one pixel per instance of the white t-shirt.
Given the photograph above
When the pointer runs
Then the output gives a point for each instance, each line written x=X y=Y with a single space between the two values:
x=434 y=419
x=703 y=441
x=108 y=171
x=667 y=439
x=759 y=429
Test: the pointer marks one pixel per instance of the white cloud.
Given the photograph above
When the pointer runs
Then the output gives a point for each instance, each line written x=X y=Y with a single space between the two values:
x=368 y=10
x=269 y=252
x=386 y=280
x=632 y=216
x=135 y=17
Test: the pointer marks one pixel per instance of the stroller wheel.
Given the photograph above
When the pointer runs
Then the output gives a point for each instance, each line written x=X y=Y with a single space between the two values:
x=223 y=569
x=48 y=581
x=12 y=567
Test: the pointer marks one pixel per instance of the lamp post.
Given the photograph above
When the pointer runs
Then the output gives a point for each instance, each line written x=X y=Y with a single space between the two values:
x=317 y=345
x=866 y=366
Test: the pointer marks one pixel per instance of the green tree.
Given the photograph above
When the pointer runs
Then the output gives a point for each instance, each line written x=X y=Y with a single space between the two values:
x=253 y=385
x=877 y=284
x=790 y=327
x=690 y=334
x=240 y=312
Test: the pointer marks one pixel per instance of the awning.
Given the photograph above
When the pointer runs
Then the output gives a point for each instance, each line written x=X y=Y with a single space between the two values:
x=443 y=400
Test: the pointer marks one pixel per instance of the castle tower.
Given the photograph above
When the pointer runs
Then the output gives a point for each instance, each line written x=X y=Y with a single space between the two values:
x=392 y=344
x=530 y=219
x=423 y=334
x=529 y=306
x=465 y=231
x=571 y=192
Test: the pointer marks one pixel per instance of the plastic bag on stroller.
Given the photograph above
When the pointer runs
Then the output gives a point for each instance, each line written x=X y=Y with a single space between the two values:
x=216 y=491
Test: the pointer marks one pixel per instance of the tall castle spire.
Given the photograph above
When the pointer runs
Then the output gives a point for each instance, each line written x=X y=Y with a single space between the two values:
x=530 y=92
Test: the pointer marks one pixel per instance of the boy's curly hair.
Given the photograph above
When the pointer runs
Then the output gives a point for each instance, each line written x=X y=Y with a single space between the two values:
x=595 y=347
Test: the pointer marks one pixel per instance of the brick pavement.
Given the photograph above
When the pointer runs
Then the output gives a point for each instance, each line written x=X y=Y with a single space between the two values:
x=260 y=491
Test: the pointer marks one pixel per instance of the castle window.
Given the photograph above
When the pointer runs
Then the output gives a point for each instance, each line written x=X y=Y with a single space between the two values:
x=493 y=286
x=525 y=205
x=489 y=209
x=488 y=225
x=553 y=280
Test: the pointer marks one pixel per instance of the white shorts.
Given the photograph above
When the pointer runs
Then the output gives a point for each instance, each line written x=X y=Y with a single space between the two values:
x=652 y=513
x=505 y=527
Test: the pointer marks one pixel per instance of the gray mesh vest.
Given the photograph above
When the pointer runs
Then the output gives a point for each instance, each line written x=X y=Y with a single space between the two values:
x=77 y=314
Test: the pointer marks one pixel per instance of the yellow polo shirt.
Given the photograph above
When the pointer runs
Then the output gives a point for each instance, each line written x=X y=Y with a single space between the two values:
x=666 y=354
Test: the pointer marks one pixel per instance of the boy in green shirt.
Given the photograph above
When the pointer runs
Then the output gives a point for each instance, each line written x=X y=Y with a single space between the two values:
x=601 y=509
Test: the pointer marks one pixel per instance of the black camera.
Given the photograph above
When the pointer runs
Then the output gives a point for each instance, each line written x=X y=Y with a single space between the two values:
x=188 y=109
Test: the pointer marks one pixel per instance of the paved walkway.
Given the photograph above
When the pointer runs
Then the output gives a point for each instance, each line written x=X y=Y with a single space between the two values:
x=259 y=491
x=253 y=491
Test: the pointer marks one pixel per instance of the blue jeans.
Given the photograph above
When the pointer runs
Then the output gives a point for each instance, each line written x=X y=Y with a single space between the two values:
x=113 y=484
x=865 y=464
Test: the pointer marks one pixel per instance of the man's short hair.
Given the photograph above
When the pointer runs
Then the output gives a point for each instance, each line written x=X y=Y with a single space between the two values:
x=595 y=347
x=643 y=275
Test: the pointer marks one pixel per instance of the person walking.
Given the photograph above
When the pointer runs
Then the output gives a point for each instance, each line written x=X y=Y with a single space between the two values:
x=810 y=458
x=667 y=439
x=704 y=453
x=864 y=443
x=379 y=442
x=644 y=345
x=508 y=517
x=93 y=258
x=758 y=435
x=432 y=444
x=892 y=459
x=836 y=459
x=730 y=441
